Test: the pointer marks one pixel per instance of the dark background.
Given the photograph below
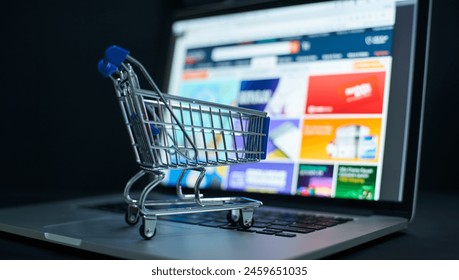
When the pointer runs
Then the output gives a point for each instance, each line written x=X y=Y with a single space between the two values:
x=62 y=134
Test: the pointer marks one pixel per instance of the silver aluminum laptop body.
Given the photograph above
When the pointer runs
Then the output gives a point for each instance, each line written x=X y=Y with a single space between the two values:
x=374 y=162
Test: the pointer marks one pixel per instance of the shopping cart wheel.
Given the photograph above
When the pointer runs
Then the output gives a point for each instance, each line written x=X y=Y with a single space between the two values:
x=242 y=218
x=132 y=215
x=246 y=218
x=246 y=223
x=146 y=234
x=148 y=228
x=233 y=217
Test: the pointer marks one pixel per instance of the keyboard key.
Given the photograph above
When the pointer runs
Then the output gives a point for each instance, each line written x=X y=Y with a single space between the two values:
x=268 y=232
x=308 y=226
x=273 y=230
x=326 y=223
x=212 y=224
x=292 y=229
x=299 y=230
x=281 y=223
x=246 y=229
x=231 y=227
x=285 y=234
x=260 y=225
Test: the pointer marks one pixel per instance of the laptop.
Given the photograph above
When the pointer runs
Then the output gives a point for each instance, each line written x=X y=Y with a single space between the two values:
x=343 y=84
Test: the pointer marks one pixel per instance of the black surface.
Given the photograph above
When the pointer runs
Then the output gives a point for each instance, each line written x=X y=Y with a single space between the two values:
x=62 y=133
x=433 y=235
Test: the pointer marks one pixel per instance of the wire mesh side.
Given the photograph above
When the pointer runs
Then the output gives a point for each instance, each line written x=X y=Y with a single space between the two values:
x=221 y=135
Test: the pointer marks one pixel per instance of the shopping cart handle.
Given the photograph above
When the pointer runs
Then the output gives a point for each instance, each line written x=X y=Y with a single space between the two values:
x=114 y=57
x=106 y=68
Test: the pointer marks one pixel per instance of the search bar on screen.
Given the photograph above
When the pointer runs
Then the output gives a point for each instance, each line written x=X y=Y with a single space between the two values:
x=255 y=50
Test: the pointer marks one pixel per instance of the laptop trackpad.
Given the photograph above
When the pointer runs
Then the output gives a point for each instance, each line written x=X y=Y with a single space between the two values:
x=112 y=227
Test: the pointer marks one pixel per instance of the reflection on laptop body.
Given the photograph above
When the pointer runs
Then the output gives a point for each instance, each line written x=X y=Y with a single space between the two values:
x=342 y=82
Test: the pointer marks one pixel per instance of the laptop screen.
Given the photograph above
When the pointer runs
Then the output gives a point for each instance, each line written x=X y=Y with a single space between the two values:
x=334 y=78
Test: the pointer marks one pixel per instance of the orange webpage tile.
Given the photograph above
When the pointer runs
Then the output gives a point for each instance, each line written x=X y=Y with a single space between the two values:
x=195 y=75
x=341 y=139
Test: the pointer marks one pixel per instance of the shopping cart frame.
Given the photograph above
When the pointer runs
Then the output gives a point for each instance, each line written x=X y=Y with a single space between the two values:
x=164 y=132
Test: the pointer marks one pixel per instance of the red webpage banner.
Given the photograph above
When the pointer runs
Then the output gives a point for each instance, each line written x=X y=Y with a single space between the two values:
x=357 y=93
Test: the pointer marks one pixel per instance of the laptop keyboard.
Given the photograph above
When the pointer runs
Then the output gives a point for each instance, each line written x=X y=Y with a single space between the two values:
x=266 y=221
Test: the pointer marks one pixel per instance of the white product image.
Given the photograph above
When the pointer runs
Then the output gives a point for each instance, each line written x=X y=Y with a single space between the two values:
x=353 y=141
x=286 y=138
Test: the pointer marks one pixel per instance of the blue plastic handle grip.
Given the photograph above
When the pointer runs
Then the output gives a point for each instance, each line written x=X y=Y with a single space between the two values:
x=114 y=57
x=106 y=68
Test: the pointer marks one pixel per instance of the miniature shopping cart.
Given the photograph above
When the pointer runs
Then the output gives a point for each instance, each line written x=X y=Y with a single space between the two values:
x=173 y=132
